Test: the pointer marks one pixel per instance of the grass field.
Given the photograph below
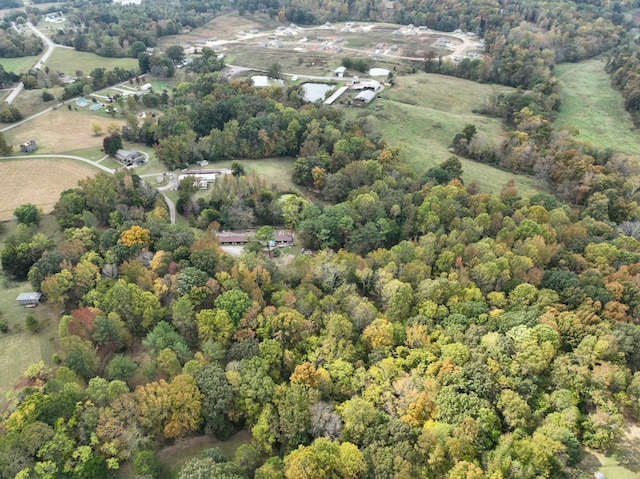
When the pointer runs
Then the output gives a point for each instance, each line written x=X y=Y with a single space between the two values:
x=68 y=61
x=19 y=348
x=174 y=457
x=424 y=112
x=60 y=131
x=38 y=181
x=19 y=65
x=590 y=104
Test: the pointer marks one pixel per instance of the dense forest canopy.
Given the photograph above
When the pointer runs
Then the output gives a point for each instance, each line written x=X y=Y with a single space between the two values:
x=438 y=331
x=434 y=330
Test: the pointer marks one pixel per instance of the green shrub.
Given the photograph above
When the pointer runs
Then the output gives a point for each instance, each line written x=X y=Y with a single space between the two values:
x=4 y=327
x=32 y=324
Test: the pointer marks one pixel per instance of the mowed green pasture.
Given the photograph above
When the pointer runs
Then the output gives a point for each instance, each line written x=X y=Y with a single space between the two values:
x=68 y=61
x=18 y=65
x=424 y=112
x=19 y=348
x=591 y=105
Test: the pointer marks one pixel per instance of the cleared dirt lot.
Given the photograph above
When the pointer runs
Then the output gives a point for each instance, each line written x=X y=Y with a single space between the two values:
x=37 y=181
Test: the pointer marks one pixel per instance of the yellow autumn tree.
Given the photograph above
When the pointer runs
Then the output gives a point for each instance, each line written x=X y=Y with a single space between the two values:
x=135 y=235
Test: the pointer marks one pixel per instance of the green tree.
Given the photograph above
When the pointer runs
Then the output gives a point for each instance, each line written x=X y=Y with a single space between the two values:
x=147 y=464
x=175 y=53
x=266 y=235
x=122 y=367
x=217 y=399
x=27 y=214
x=5 y=148
x=111 y=144
x=274 y=71
x=235 y=302
x=452 y=166
x=237 y=168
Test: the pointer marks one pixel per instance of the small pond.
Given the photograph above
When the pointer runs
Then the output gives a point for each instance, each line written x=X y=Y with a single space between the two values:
x=316 y=91
x=378 y=72
x=264 y=80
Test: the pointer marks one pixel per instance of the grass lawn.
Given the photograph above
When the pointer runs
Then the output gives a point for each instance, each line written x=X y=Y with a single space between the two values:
x=174 y=457
x=68 y=61
x=424 y=112
x=18 y=65
x=610 y=466
x=590 y=104
x=19 y=348
x=277 y=171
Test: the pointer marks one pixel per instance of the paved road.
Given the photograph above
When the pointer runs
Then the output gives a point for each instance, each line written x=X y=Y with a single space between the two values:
x=69 y=157
x=50 y=47
x=172 y=185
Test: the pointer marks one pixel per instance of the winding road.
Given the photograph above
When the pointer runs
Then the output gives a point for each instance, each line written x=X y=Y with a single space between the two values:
x=50 y=47
x=173 y=183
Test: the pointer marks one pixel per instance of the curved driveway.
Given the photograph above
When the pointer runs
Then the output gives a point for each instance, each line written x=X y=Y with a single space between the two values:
x=69 y=157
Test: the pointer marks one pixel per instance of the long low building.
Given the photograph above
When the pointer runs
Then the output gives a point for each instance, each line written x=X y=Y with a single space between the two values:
x=281 y=237
x=203 y=177
x=337 y=94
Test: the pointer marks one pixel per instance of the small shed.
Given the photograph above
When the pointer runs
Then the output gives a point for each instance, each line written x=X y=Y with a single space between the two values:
x=28 y=147
x=340 y=71
x=29 y=300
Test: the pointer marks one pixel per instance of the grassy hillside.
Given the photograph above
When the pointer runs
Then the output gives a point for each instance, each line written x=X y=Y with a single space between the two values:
x=591 y=105
x=425 y=111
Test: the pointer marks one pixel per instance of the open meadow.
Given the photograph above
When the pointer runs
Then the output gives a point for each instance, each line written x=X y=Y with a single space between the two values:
x=594 y=108
x=38 y=181
x=19 y=348
x=19 y=65
x=68 y=61
x=424 y=112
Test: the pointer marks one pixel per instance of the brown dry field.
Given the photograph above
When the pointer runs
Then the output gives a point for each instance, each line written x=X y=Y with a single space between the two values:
x=59 y=131
x=38 y=181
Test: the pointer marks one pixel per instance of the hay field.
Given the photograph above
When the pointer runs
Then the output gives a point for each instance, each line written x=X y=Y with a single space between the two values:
x=59 y=131
x=38 y=181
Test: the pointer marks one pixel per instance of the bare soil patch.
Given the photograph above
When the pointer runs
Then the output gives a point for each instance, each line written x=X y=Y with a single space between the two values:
x=38 y=181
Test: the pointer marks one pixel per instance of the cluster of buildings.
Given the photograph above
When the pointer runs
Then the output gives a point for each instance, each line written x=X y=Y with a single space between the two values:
x=202 y=178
